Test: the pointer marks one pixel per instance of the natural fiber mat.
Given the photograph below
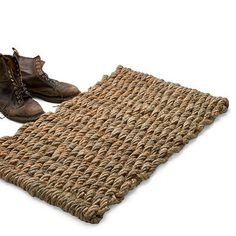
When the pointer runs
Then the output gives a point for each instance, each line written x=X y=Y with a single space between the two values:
x=97 y=147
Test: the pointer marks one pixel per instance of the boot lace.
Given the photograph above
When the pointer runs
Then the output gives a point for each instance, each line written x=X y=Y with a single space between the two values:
x=16 y=79
x=42 y=74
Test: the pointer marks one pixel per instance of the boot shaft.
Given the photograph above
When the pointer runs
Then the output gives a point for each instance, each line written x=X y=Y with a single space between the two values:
x=12 y=89
x=4 y=73
x=30 y=67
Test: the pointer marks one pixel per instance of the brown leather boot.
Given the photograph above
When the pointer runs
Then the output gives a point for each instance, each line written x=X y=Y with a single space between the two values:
x=15 y=101
x=40 y=85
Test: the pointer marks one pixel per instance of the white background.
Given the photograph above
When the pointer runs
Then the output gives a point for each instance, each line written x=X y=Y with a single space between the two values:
x=189 y=42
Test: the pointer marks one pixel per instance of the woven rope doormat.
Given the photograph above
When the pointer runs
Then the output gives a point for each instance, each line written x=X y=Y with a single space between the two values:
x=98 y=146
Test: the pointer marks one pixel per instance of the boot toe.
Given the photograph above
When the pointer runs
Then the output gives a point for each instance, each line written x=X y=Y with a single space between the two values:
x=32 y=108
x=68 y=90
x=30 y=111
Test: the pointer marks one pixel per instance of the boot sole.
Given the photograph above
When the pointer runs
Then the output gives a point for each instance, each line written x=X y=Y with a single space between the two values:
x=52 y=99
x=22 y=119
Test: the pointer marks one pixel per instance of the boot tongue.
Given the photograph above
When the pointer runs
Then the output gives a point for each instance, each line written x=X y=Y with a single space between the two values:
x=16 y=53
x=12 y=64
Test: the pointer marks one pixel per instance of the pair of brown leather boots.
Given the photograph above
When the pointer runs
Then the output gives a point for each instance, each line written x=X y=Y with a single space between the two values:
x=22 y=78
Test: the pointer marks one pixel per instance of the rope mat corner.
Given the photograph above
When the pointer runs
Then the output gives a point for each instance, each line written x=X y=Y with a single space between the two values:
x=98 y=146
